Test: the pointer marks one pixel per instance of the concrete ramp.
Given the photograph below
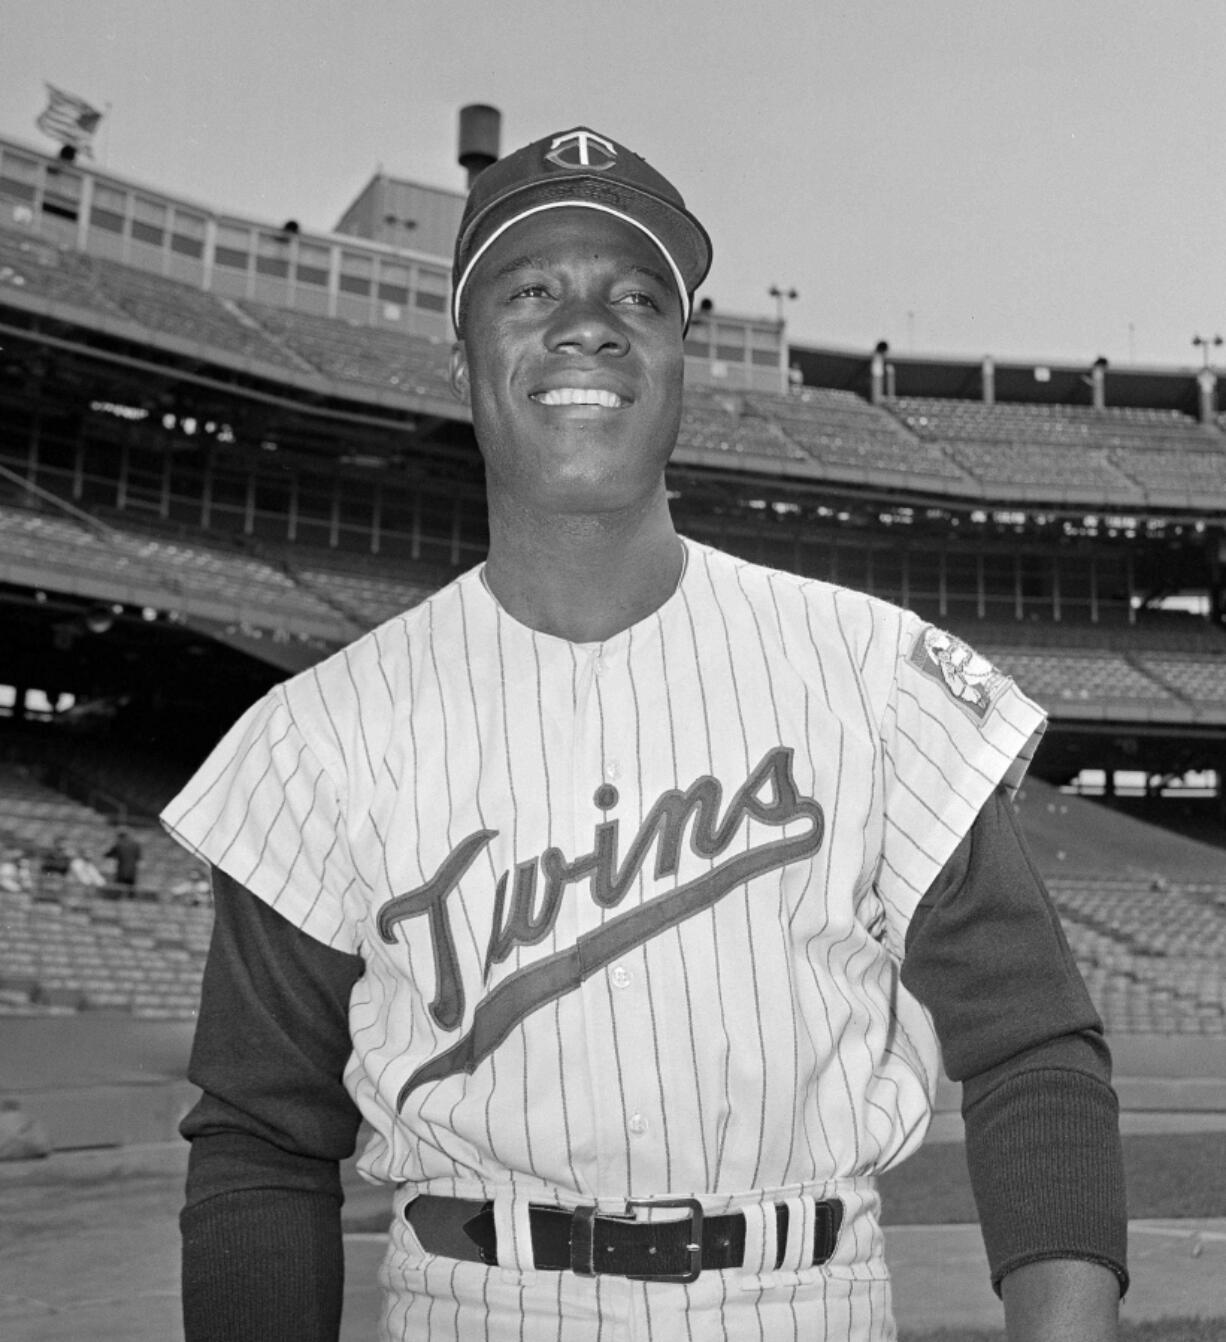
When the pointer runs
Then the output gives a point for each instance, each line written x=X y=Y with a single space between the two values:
x=1074 y=836
x=98 y=1079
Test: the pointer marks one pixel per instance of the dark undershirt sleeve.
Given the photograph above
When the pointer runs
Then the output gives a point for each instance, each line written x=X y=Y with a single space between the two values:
x=986 y=954
x=262 y=1251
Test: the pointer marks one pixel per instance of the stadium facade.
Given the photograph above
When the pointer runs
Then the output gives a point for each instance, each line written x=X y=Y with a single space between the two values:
x=229 y=445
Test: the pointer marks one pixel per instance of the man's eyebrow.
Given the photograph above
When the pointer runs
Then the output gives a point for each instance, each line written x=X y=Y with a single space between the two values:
x=521 y=263
x=657 y=275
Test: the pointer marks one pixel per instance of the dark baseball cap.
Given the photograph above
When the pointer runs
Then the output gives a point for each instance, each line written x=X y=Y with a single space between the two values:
x=580 y=167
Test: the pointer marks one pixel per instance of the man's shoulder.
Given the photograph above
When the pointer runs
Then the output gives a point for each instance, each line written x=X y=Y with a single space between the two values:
x=331 y=708
x=722 y=568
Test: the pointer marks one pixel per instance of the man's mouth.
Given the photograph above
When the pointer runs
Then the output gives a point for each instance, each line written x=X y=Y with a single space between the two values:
x=608 y=400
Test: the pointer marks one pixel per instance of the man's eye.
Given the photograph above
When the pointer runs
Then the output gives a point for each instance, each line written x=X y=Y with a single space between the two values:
x=534 y=290
x=639 y=298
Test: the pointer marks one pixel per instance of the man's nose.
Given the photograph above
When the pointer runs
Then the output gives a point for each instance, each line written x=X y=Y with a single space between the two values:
x=585 y=325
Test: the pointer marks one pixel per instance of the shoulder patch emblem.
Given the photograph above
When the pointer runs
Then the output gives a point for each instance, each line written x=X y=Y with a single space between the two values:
x=968 y=678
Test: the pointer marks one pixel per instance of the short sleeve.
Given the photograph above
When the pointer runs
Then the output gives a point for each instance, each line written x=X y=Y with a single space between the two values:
x=956 y=728
x=264 y=810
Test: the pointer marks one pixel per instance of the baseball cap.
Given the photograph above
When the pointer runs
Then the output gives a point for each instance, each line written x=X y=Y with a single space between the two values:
x=580 y=167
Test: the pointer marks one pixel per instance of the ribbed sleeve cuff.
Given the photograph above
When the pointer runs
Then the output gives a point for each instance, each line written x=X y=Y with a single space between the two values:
x=1047 y=1171
x=262 y=1266
x=236 y=1162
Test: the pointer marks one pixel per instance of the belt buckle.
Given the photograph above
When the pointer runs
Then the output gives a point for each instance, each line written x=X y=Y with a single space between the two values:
x=694 y=1247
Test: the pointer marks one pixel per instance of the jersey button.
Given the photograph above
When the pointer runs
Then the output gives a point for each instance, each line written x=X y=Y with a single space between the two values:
x=621 y=976
x=637 y=1124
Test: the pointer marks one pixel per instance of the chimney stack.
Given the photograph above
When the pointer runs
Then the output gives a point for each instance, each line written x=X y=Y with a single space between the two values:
x=480 y=132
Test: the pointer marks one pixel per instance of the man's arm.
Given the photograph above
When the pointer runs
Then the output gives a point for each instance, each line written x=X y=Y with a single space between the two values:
x=1061 y=1300
x=262 y=1252
x=986 y=954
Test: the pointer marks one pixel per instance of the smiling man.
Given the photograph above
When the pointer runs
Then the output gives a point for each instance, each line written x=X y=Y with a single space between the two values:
x=631 y=893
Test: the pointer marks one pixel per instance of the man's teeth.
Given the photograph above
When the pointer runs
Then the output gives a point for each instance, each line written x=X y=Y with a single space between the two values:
x=580 y=396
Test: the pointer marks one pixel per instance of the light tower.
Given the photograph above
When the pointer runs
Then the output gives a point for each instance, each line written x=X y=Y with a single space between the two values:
x=779 y=294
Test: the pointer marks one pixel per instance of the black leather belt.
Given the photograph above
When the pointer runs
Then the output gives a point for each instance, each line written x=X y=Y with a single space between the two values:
x=579 y=1240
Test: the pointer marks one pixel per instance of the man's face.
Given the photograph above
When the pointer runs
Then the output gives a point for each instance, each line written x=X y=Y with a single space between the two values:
x=572 y=363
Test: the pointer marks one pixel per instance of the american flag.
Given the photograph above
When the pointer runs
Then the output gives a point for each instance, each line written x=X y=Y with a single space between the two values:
x=69 y=119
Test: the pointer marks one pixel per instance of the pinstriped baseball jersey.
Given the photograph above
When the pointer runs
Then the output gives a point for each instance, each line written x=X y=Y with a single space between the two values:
x=632 y=912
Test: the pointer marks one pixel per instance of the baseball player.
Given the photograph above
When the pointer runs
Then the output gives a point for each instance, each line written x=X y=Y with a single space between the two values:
x=630 y=893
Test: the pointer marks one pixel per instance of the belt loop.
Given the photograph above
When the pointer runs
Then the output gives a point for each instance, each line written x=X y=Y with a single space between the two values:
x=826 y=1230
x=513 y=1233
x=761 y=1238
x=583 y=1241
x=802 y=1215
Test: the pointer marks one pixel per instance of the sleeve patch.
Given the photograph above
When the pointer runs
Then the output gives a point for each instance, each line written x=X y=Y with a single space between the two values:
x=969 y=679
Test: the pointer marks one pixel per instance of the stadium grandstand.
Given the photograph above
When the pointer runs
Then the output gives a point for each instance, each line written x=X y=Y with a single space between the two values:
x=228 y=446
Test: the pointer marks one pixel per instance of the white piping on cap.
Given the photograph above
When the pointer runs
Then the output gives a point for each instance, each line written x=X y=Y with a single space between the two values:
x=558 y=205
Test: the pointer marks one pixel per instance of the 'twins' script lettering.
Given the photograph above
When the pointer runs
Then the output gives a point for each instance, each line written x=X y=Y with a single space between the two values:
x=769 y=795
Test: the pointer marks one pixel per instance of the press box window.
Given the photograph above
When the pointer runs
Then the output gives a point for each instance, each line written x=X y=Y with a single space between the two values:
x=730 y=343
x=355 y=274
x=272 y=255
x=764 y=348
x=62 y=193
x=108 y=208
x=431 y=290
x=188 y=236
x=233 y=248
x=312 y=266
x=148 y=222
x=18 y=176
x=393 y=283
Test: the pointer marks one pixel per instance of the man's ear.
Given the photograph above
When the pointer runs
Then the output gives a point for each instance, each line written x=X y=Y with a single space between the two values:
x=459 y=372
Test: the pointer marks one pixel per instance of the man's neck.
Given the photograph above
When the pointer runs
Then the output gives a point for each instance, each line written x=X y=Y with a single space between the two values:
x=584 y=578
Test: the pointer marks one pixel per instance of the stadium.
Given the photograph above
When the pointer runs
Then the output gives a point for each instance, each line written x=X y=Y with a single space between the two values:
x=228 y=446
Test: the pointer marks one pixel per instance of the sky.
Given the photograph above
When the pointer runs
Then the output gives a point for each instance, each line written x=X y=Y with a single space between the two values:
x=1032 y=179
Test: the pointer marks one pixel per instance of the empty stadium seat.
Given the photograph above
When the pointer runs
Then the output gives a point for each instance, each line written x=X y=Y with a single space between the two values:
x=729 y=424
x=1080 y=677
x=1152 y=951
x=351 y=352
x=170 y=307
x=209 y=578
x=30 y=265
x=1124 y=455
x=838 y=428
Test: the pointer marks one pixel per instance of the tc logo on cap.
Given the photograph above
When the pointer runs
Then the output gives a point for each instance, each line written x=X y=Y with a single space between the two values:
x=582 y=149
